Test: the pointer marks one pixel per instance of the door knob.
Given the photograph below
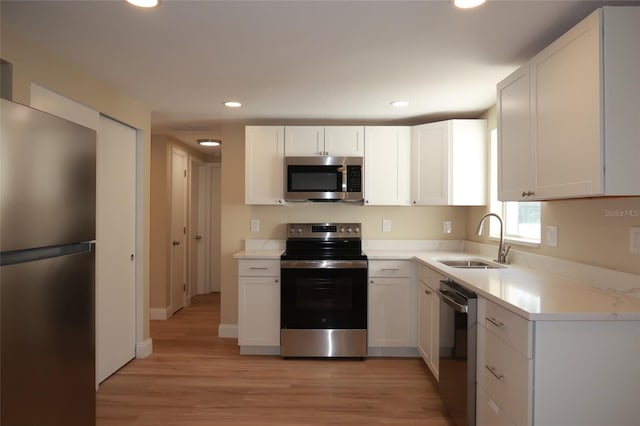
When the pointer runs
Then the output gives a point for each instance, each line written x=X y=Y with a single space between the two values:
x=176 y=243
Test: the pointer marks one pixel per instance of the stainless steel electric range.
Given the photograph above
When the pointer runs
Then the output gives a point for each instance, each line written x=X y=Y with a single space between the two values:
x=323 y=309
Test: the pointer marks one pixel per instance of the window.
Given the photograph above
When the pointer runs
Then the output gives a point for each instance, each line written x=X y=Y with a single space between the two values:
x=521 y=219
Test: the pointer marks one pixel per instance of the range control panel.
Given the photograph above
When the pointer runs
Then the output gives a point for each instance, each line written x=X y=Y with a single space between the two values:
x=324 y=230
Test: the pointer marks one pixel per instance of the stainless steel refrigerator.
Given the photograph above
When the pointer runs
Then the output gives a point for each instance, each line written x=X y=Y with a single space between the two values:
x=47 y=233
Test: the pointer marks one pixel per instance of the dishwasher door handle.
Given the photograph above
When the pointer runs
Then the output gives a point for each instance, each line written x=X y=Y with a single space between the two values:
x=453 y=303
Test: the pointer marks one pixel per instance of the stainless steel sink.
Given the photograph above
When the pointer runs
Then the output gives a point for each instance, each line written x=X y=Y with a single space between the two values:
x=470 y=263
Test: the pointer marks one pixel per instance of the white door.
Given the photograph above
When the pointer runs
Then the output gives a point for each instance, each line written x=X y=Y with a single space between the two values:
x=115 y=246
x=178 y=229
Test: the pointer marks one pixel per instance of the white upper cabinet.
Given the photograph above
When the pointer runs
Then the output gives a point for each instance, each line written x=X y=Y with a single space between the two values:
x=334 y=141
x=387 y=158
x=448 y=163
x=582 y=123
x=264 y=158
x=515 y=168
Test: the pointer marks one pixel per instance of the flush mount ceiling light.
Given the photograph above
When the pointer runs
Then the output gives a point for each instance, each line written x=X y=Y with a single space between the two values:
x=468 y=4
x=232 y=104
x=209 y=142
x=144 y=3
x=399 y=104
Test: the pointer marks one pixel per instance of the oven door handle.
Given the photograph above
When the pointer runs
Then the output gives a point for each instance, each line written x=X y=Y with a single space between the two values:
x=323 y=264
x=453 y=303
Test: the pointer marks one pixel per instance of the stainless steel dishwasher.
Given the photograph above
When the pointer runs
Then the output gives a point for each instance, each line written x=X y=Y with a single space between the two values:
x=458 y=334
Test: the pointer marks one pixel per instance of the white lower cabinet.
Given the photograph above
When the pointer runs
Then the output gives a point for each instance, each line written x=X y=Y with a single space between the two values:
x=504 y=366
x=429 y=317
x=392 y=307
x=259 y=306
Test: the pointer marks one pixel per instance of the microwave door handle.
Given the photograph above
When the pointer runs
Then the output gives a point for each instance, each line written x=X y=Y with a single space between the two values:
x=344 y=178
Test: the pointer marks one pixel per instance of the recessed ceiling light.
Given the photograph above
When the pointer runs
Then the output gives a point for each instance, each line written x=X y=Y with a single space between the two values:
x=209 y=142
x=233 y=104
x=468 y=4
x=400 y=104
x=144 y=3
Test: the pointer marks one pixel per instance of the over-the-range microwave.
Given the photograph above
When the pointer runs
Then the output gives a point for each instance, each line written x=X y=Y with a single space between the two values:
x=323 y=179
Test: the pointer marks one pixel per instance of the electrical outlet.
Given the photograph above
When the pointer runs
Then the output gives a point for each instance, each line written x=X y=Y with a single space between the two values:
x=386 y=225
x=446 y=226
x=551 y=239
x=635 y=240
x=255 y=225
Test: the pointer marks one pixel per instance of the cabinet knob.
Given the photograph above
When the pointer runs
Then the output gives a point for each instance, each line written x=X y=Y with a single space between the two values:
x=176 y=243
x=371 y=281
x=277 y=280
x=427 y=292
x=132 y=257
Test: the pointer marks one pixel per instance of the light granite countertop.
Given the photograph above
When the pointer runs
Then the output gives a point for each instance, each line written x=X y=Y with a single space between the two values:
x=531 y=292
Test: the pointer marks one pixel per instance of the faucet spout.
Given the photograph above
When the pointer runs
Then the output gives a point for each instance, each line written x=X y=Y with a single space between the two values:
x=502 y=250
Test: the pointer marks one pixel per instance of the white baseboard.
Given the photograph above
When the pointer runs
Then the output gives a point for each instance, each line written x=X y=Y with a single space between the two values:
x=160 y=313
x=144 y=349
x=228 y=331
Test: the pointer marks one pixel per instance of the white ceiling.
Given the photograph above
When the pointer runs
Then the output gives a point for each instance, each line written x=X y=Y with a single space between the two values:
x=297 y=61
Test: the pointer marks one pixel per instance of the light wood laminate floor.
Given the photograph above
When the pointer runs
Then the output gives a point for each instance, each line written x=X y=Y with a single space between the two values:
x=194 y=378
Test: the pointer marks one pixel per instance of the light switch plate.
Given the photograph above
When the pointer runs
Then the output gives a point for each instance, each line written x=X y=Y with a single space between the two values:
x=386 y=225
x=551 y=233
x=255 y=225
x=446 y=226
x=635 y=240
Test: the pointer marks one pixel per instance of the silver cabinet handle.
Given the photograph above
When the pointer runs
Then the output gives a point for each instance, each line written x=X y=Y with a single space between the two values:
x=390 y=269
x=494 y=321
x=176 y=243
x=259 y=268
x=493 y=371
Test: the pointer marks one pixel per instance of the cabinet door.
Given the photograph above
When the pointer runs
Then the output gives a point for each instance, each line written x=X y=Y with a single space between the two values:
x=387 y=172
x=344 y=141
x=567 y=115
x=303 y=141
x=390 y=318
x=264 y=165
x=424 y=323
x=515 y=167
x=429 y=164
x=259 y=311
x=434 y=337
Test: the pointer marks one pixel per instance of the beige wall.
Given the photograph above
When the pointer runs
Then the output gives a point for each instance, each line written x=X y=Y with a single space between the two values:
x=161 y=147
x=593 y=231
x=33 y=64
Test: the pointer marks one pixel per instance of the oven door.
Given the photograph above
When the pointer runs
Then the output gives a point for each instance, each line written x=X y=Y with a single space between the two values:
x=330 y=294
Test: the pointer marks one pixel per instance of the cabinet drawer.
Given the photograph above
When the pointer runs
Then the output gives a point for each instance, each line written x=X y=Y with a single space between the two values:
x=259 y=268
x=390 y=268
x=506 y=376
x=488 y=413
x=513 y=329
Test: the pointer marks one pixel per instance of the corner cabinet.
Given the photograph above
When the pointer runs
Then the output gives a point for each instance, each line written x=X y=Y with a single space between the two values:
x=264 y=159
x=429 y=317
x=333 y=141
x=448 y=163
x=391 y=327
x=387 y=158
x=571 y=114
x=259 y=306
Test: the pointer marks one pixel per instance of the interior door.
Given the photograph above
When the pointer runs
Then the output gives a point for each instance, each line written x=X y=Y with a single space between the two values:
x=178 y=229
x=115 y=246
